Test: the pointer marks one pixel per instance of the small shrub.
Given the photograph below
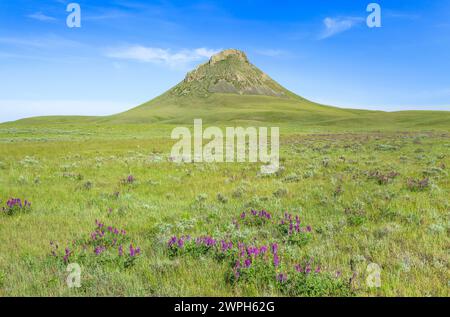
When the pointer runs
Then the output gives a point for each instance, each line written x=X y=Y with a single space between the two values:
x=381 y=178
x=88 y=185
x=355 y=217
x=221 y=198
x=313 y=285
x=280 y=192
x=418 y=184
x=2 y=278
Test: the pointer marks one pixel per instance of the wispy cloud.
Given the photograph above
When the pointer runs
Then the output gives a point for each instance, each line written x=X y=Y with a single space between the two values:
x=41 y=17
x=335 y=26
x=178 y=59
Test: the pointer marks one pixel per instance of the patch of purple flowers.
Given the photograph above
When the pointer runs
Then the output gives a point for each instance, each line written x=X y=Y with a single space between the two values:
x=247 y=260
x=291 y=227
x=255 y=217
x=176 y=242
x=307 y=268
x=15 y=205
x=206 y=241
x=134 y=251
x=104 y=240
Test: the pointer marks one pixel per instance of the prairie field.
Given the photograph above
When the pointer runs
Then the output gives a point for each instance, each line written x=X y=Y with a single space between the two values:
x=342 y=200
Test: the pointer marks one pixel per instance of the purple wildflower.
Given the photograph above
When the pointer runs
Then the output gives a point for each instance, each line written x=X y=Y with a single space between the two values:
x=134 y=251
x=274 y=248
x=66 y=255
x=99 y=250
x=308 y=269
x=120 y=250
x=172 y=241
x=282 y=277
x=276 y=260
x=130 y=179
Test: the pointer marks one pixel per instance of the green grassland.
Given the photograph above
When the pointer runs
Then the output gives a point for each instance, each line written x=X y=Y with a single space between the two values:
x=73 y=171
x=373 y=186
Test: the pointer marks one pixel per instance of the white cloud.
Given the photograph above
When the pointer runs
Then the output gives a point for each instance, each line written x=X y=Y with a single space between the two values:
x=335 y=26
x=41 y=17
x=156 y=55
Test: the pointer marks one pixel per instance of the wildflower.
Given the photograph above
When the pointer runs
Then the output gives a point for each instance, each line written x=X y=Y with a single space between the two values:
x=274 y=248
x=236 y=269
x=120 y=250
x=15 y=204
x=308 y=269
x=247 y=263
x=66 y=255
x=130 y=179
x=282 y=277
x=172 y=241
x=276 y=260
x=207 y=241
x=134 y=251
x=298 y=268
x=99 y=250
x=226 y=246
x=242 y=250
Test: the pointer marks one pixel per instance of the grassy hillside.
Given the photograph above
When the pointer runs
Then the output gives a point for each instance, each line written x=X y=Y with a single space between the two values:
x=228 y=89
x=295 y=114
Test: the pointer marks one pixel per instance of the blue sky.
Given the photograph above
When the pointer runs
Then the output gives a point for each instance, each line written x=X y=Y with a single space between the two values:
x=127 y=51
